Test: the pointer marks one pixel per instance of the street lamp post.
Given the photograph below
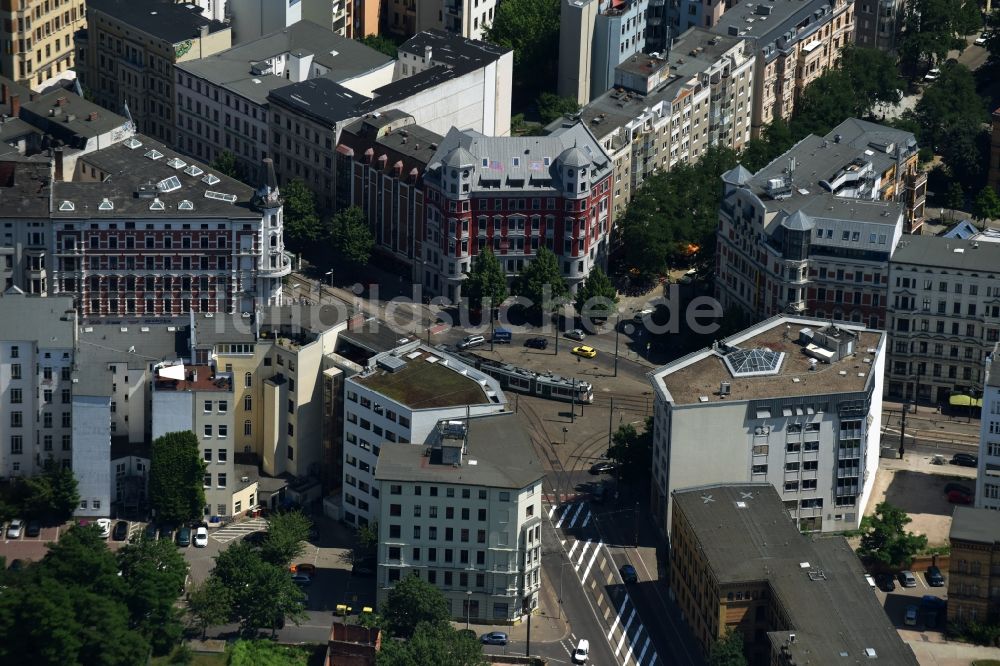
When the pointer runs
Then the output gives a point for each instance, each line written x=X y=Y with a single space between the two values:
x=561 y=567
x=468 y=608
x=618 y=328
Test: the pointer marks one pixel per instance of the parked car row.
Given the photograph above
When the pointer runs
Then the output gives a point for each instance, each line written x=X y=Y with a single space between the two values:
x=887 y=582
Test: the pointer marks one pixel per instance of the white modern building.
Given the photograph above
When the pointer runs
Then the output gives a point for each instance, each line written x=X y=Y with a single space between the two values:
x=36 y=391
x=595 y=36
x=464 y=514
x=988 y=478
x=791 y=401
x=400 y=397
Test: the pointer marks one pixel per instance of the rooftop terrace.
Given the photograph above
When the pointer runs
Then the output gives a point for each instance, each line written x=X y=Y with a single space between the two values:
x=196 y=378
x=698 y=377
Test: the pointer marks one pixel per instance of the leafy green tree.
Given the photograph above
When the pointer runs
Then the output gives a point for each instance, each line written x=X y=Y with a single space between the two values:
x=365 y=542
x=209 y=604
x=873 y=76
x=934 y=27
x=267 y=653
x=728 y=650
x=632 y=452
x=52 y=495
x=950 y=102
x=225 y=163
x=531 y=29
x=884 y=538
x=154 y=572
x=486 y=281
x=69 y=609
x=987 y=204
x=286 y=536
x=381 y=44
x=541 y=281
x=262 y=594
x=597 y=295
x=411 y=602
x=822 y=104
x=352 y=237
x=965 y=151
x=438 y=644
x=955 y=196
x=674 y=216
x=552 y=106
x=176 y=474
x=302 y=224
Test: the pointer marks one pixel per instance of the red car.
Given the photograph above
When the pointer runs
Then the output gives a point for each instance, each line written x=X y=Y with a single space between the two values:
x=958 y=497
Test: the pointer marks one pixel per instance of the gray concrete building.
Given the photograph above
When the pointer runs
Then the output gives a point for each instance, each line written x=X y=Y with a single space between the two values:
x=943 y=317
x=791 y=401
x=464 y=513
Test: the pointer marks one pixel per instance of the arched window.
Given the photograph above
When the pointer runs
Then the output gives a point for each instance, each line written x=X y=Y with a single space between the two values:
x=248 y=380
x=248 y=427
x=247 y=403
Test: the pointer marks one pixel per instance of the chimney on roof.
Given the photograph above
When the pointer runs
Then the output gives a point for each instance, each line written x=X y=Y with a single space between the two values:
x=203 y=31
x=57 y=155
x=15 y=105
x=272 y=180
x=428 y=51
x=93 y=116
x=32 y=96
x=61 y=101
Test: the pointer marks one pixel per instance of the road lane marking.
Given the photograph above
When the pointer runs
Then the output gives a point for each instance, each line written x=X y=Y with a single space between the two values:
x=618 y=617
x=625 y=627
x=586 y=520
x=642 y=653
x=566 y=513
x=552 y=511
x=583 y=554
x=592 y=558
x=576 y=515
x=571 y=550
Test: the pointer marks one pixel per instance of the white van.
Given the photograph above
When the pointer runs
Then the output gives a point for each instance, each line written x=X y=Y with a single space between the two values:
x=581 y=652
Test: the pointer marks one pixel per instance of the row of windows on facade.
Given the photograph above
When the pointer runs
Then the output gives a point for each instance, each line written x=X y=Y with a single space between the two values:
x=17 y=443
x=16 y=397
x=904 y=325
x=150 y=242
x=516 y=204
x=232 y=102
x=17 y=419
x=220 y=480
x=15 y=466
x=516 y=224
x=151 y=306
x=449 y=491
x=447 y=579
x=927 y=284
x=389 y=414
x=922 y=347
x=904 y=368
x=156 y=283
x=365 y=424
x=395 y=554
x=841 y=275
x=909 y=303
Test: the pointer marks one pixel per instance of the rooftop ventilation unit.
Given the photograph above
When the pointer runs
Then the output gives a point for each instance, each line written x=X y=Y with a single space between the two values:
x=146 y=191
x=391 y=363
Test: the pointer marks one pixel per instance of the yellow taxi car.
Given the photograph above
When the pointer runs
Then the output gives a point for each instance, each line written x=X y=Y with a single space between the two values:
x=585 y=351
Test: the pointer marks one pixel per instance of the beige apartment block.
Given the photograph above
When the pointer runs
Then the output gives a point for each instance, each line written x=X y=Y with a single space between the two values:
x=128 y=52
x=37 y=43
x=664 y=112
x=793 y=43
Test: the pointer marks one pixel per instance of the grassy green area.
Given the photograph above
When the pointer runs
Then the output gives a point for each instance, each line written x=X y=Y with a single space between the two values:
x=421 y=385
x=987 y=662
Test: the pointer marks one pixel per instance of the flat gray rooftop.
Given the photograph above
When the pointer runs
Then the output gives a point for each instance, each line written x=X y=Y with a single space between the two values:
x=747 y=536
x=169 y=21
x=700 y=374
x=975 y=525
x=231 y=69
x=748 y=18
x=500 y=455
x=926 y=252
x=34 y=318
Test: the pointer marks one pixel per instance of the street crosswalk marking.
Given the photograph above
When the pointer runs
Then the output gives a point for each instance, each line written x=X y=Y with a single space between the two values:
x=580 y=507
x=642 y=653
x=586 y=520
x=237 y=530
x=625 y=627
x=583 y=554
x=571 y=550
x=592 y=558
x=618 y=617
x=631 y=643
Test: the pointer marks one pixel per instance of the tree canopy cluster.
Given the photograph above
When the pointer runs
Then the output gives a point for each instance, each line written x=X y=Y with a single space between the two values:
x=50 y=497
x=74 y=608
x=884 y=538
x=632 y=452
x=176 y=475
x=251 y=584
x=417 y=612
x=934 y=27
x=531 y=29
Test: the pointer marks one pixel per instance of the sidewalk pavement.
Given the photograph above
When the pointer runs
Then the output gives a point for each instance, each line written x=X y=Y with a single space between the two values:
x=548 y=625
